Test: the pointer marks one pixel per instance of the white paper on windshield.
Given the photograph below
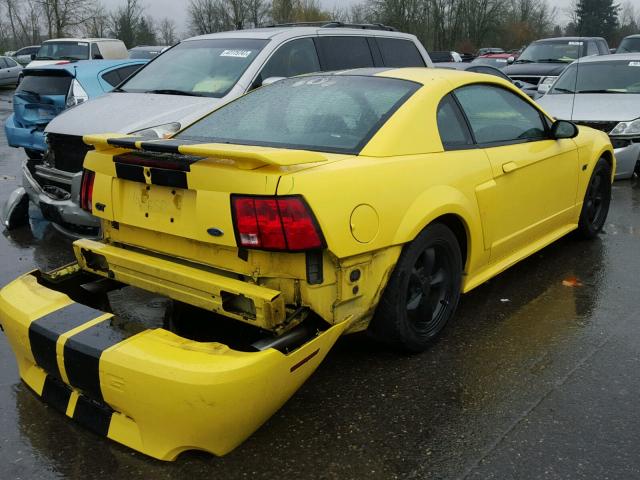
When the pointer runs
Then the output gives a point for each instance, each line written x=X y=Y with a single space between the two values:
x=576 y=43
x=236 y=53
x=501 y=60
x=83 y=44
x=634 y=64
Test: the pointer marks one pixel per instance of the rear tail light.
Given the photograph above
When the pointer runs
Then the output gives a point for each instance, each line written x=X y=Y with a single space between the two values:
x=86 y=190
x=275 y=223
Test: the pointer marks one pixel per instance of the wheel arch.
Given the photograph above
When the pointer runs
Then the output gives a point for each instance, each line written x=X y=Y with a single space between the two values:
x=451 y=207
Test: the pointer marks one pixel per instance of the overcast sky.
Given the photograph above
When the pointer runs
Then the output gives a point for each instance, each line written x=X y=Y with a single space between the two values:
x=177 y=9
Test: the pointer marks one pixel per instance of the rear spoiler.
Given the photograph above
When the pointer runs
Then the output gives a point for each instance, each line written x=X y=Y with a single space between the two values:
x=245 y=156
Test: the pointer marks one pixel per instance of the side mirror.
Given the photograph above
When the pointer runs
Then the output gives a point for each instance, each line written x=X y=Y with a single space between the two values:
x=518 y=83
x=613 y=50
x=511 y=59
x=563 y=129
x=32 y=56
x=271 y=80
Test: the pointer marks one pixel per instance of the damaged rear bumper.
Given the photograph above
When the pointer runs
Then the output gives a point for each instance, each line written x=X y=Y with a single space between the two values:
x=151 y=390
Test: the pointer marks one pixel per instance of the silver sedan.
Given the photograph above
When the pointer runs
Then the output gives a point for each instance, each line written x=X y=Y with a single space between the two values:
x=603 y=92
x=9 y=71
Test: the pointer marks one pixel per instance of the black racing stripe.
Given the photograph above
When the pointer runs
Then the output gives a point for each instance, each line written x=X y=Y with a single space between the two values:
x=169 y=178
x=96 y=417
x=44 y=333
x=164 y=146
x=130 y=172
x=56 y=394
x=124 y=142
x=82 y=354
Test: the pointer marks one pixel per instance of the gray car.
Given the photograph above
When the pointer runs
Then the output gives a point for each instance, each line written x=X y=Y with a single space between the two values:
x=190 y=80
x=603 y=92
x=9 y=71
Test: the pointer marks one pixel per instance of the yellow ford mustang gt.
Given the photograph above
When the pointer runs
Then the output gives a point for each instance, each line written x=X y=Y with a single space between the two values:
x=314 y=207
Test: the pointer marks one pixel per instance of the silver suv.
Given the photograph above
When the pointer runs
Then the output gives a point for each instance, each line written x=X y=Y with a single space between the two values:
x=188 y=81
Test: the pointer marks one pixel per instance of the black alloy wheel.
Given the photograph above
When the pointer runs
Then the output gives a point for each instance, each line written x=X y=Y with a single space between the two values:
x=422 y=293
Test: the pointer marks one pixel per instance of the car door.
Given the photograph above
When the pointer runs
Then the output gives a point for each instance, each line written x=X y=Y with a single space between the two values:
x=5 y=75
x=535 y=178
x=13 y=70
x=295 y=57
x=344 y=52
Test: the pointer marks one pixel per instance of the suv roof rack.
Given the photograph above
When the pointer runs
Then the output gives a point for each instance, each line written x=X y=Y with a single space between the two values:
x=335 y=24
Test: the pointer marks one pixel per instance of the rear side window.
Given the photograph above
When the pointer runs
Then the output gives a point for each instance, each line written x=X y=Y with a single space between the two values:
x=399 y=53
x=340 y=53
x=454 y=133
x=45 y=85
x=293 y=58
x=119 y=75
x=498 y=116
x=10 y=62
x=592 y=48
x=3 y=63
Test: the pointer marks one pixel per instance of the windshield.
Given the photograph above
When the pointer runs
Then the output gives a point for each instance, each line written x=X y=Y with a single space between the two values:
x=565 y=51
x=63 y=51
x=600 y=77
x=197 y=67
x=629 y=45
x=492 y=61
x=324 y=113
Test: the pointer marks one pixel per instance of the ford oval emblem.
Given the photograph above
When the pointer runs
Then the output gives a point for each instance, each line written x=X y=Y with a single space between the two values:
x=215 y=232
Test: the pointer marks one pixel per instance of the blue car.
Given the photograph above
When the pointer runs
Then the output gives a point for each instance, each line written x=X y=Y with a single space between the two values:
x=45 y=92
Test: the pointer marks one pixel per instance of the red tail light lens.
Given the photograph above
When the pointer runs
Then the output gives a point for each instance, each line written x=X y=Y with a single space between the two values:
x=275 y=223
x=86 y=190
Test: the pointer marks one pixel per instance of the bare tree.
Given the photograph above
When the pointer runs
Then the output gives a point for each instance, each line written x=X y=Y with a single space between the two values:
x=23 y=20
x=63 y=17
x=125 y=20
x=207 y=16
x=97 y=25
x=257 y=12
x=167 y=31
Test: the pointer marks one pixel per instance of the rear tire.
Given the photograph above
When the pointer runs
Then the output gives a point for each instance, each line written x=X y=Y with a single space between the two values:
x=422 y=293
x=596 y=201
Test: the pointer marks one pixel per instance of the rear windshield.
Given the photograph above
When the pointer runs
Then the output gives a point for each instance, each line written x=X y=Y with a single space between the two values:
x=328 y=113
x=629 y=45
x=44 y=85
x=63 y=51
x=600 y=77
x=197 y=67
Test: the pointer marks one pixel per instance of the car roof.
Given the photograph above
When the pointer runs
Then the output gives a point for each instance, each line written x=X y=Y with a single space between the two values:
x=495 y=55
x=567 y=39
x=624 y=57
x=267 y=33
x=92 y=39
x=86 y=67
x=635 y=35
x=422 y=75
x=148 y=47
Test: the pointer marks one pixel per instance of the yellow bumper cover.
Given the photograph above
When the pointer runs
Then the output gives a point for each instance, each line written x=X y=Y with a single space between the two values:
x=153 y=391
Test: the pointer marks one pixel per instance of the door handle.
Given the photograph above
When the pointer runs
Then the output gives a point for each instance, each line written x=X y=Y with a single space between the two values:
x=509 y=167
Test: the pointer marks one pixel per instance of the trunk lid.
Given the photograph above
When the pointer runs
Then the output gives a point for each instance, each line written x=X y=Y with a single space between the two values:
x=183 y=189
x=40 y=97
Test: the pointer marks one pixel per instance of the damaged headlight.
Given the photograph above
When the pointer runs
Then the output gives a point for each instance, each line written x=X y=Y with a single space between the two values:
x=159 y=131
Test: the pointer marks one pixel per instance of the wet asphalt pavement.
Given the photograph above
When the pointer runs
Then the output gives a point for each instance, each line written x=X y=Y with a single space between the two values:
x=533 y=379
